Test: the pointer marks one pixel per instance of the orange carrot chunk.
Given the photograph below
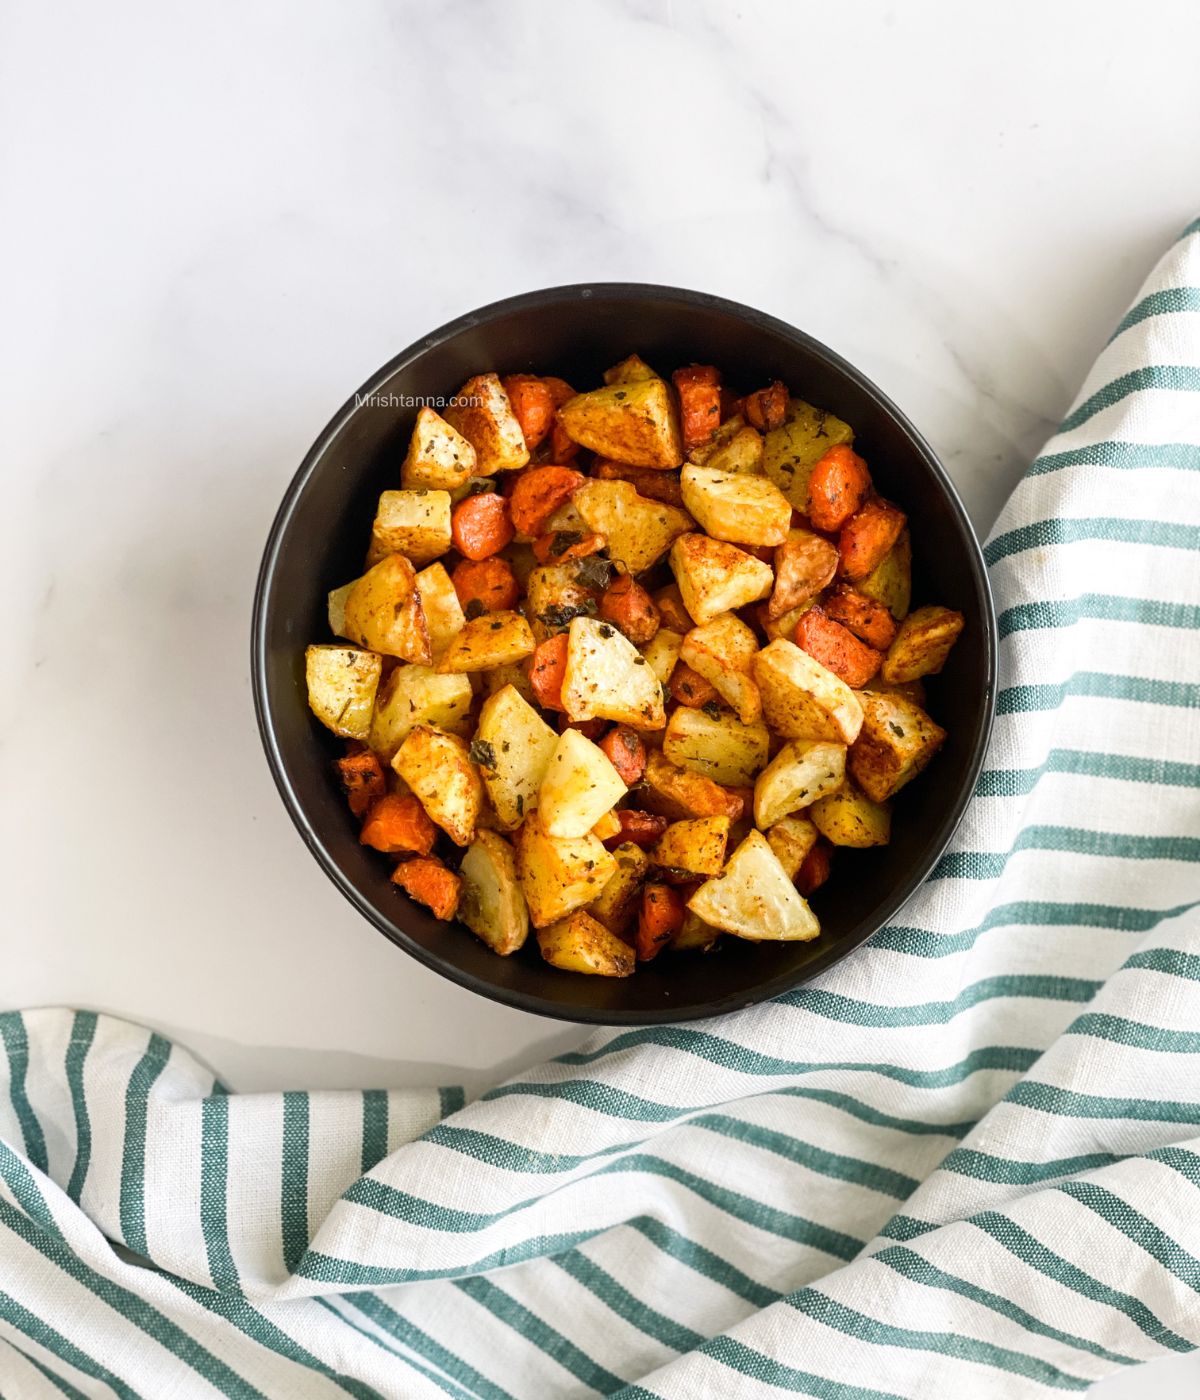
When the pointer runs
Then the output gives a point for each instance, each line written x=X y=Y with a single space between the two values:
x=426 y=879
x=838 y=486
x=562 y=448
x=628 y=606
x=480 y=526
x=538 y=493
x=485 y=585
x=690 y=688
x=767 y=408
x=398 y=823
x=652 y=482
x=626 y=752
x=659 y=920
x=814 y=869
x=590 y=728
x=837 y=648
x=868 y=536
x=362 y=779
x=532 y=405
x=699 y=389
x=546 y=671
x=868 y=620
x=642 y=828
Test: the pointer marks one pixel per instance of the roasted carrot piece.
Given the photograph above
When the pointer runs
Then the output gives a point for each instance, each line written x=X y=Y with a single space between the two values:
x=590 y=728
x=562 y=448
x=838 y=486
x=532 y=405
x=426 y=879
x=626 y=752
x=669 y=602
x=690 y=688
x=766 y=408
x=868 y=620
x=546 y=671
x=560 y=545
x=537 y=493
x=837 y=648
x=642 y=828
x=480 y=526
x=814 y=869
x=485 y=585
x=398 y=823
x=628 y=606
x=655 y=483
x=362 y=779
x=659 y=920
x=868 y=536
x=699 y=389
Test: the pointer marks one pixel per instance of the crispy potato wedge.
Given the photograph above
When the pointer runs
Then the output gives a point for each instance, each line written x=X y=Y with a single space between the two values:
x=483 y=415
x=890 y=583
x=519 y=745
x=413 y=523
x=608 y=678
x=754 y=898
x=336 y=608
x=734 y=447
x=791 y=839
x=848 y=817
x=495 y=639
x=723 y=652
x=662 y=652
x=803 y=771
x=616 y=905
x=559 y=874
x=792 y=451
x=383 y=612
x=581 y=943
x=443 y=612
x=801 y=699
x=639 y=530
x=490 y=901
x=804 y=565
x=580 y=785
x=922 y=644
x=412 y=695
x=439 y=457
x=633 y=422
x=721 y=748
x=696 y=846
x=631 y=370
x=896 y=741
x=715 y=577
x=437 y=768
x=736 y=507
x=342 y=682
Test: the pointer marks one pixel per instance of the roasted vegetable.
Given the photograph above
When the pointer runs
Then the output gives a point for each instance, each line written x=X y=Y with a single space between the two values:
x=790 y=452
x=632 y=422
x=719 y=746
x=723 y=652
x=639 y=531
x=896 y=741
x=582 y=944
x=559 y=874
x=803 y=771
x=803 y=700
x=412 y=695
x=922 y=644
x=342 y=682
x=438 y=768
x=383 y=612
x=413 y=523
x=439 y=458
x=482 y=413
x=579 y=786
x=735 y=507
x=513 y=746
x=753 y=897
x=715 y=577
x=490 y=902
x=606 y=677
x=848 y=817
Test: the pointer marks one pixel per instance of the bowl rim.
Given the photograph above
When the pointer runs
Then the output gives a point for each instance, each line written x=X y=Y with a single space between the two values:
x=528 y=1001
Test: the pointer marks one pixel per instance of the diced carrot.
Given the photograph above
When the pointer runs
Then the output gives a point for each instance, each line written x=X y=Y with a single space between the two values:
x=560 y=390
x=626 y=752
x=642 y=828
x=427 y=879
x=868 y=536
x=655 y=483
x=767 y=408
x=485 y=585
x=731 y=404
x=362 y=779
x=590 y=728
x=659 y=920
x=690 y=688
x=546 y=671
x=398 y=823
x=669 y=602
x=532 y=404
x=560 y=545
x=814 y=869
x=480 y=525
x=699 y=389
x=837 y=648
x=868 y=620
x=627 y=605
x=537 y=493
x=838 y=486
x=562 y=448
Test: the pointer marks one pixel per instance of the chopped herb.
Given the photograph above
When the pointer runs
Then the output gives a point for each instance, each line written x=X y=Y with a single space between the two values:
x=605 y=631
x=594 y=571
x=520 y=804
x=619 y=395
x=475 y=608
x=479 y=484
x=562 y=540
x=896 y=730
x=483 y=754
x=496 y=626
x=711 y=709
x=560 y=614
x=639 y=661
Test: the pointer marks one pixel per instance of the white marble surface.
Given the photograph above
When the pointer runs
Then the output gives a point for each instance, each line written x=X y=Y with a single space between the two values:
x=219 y=221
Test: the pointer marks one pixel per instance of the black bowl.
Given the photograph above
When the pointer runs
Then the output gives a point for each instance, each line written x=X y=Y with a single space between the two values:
x=317 y=542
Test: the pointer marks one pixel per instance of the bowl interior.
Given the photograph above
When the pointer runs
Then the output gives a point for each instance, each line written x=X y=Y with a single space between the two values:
x=320 y=537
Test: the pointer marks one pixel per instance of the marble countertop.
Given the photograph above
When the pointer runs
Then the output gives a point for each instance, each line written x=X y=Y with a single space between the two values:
x=225 y=223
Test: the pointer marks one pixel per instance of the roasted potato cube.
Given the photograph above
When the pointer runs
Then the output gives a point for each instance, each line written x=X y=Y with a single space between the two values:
x=721 y=748
x=607 y=677
x=342 y=682
x=413 y=523
x=896 y=741
x=616 y=905
x=890 y=583
x=443 y=612
x=514 y=744
x=662 y=652
x=413 y=695
x=801 y=699
x=638 y=530
x=482 y=413
x=336 y=608
x=494 y=639
x=696 y=846
x=633 y=422
x=922 y=644
x=848 y=817
x=436 y=766
x=580 y=943
x=631 y=370
x=804 y=565
x=734 y=447
x=553 y=596
x=791 y=839
x=736 y=507
x=383 y=612
x=439 y=458
x=579 y=786
x=723 y=652
x=800 y=773
x=559 y=874
x=680 y=793
x=792 y=451
x=753 y=897
x=490 y=902
x=715 y=577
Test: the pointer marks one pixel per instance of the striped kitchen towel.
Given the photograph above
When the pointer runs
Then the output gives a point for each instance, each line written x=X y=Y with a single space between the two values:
x=966 y=1163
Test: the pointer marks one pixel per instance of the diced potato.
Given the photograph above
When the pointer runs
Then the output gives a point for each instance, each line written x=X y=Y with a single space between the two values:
x=922 y=644
x=791 y=839
x=413 y=695
x=484 y=416
x=633 y=422
x=800 y=773
x=582 y=944
x=804 y=565
x=616 y=905
x=439 y=458
x=754 y=898
x=890 y=582
x=736 y=507
x=493 y=639
x=436 y=766
x=413 y=523
x=849 y=818
x=606 y=677
x=559 y=874
x=715 y=577
x=694 y=936
x=734 y=447
x=516 y=674
x=722 y=748
x=696 y=846
x=895 y=743
x=443 y=612
x=383 y=612
x=519 y=747
x=607 y=826
x=792 y=451
x=553 y=596
x=337 y=608
x=662 y=652
x=491 y=903
x=342 y=682
x=631 y=370
x=801 y=699
x=723 y=652
x=638 y=530
x=579 y=786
